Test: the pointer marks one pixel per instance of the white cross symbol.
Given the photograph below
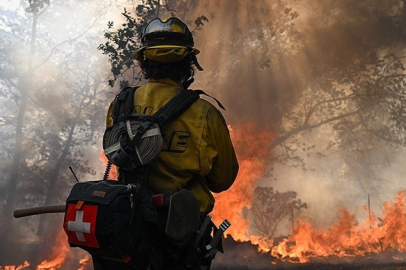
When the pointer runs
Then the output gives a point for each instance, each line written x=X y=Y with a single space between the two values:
x=78 y=226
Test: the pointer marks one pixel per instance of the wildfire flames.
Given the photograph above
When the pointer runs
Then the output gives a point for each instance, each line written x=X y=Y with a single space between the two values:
x=346 y=238
x=84 y=262
x=57 y=258
x=253 y=157
x=13 y=267
x=59 y=253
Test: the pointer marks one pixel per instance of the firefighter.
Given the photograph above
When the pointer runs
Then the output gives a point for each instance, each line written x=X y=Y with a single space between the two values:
x=197 y=150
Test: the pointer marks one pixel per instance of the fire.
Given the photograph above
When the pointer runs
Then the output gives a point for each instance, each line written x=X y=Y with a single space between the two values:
x=252 y=148
x=13 y=267
x=58 y=257
x=347 y=238
x=84 y=262
x=113 y=171
x=59 y=253
x=264 y=244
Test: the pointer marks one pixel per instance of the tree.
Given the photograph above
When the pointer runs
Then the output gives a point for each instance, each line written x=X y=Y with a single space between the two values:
x=354 y=85
x=271 y=207
x=63 y=115
x=80 y=120
x=121 y=43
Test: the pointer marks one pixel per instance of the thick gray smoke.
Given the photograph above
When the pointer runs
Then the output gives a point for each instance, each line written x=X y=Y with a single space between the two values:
x=271 y=63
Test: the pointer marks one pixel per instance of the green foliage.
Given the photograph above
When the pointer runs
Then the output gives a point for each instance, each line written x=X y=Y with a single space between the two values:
x=123 y=41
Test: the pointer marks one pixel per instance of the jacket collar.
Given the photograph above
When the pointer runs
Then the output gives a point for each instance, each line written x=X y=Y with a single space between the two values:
x=166 y=81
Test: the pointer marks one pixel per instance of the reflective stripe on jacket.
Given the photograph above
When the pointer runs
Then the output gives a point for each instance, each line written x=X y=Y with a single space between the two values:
x=196 y=145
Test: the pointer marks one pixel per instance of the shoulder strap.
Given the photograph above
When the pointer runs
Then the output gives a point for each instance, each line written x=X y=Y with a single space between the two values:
x=178 y=104
x=175 y=107
x=201 y=92
x=123 y=103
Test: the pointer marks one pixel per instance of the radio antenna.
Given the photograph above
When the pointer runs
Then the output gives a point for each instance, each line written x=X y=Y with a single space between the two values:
x=70 y=168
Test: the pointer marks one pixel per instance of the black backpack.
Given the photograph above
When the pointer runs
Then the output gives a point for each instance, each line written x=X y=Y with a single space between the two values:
x=112 y=219
x=134 y=140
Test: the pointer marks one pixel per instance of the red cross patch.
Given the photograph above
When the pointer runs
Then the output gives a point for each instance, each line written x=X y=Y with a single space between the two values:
x=80 y=225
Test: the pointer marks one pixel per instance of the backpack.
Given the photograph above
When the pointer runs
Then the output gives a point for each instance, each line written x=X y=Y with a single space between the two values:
x=112 y=219
x=135 y=140
x=104 y=218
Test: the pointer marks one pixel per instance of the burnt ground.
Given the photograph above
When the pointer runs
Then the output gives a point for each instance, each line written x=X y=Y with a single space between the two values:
x=244 y=256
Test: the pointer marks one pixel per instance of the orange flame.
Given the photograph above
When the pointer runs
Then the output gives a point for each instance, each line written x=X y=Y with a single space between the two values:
x=59 y=253
x=13 y=267
x=347 y=238
x=59 y=256
x=84 y=262
x=252 y=148
x=113 y=171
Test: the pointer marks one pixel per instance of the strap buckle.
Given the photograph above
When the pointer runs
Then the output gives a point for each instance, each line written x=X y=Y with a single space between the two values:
x=143 y=127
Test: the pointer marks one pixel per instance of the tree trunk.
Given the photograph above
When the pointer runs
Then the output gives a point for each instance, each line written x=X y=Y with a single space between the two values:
x=24 y=85
x=27 y=84
x=54 y=177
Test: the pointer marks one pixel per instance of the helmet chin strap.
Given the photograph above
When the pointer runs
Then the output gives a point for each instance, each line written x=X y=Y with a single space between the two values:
x=194 y=60
x=187 y=83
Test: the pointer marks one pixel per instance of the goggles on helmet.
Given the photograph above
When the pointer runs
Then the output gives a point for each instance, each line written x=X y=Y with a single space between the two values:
x=171 y=31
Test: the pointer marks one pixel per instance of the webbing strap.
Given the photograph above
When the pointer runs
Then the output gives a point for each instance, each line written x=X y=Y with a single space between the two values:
x=201 y=92
x=125 y=97
x=123 y=108
x=176 y=106
x=140 y=131
x=173 y=108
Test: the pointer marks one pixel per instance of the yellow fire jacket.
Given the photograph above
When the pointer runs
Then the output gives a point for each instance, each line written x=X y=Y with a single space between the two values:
x=196 y=145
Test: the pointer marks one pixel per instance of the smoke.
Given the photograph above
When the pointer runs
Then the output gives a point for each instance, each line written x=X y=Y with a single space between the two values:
x=267 y=62
x=54 y=61
x=244 y=64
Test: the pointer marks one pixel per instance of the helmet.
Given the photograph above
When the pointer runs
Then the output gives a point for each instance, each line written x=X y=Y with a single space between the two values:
x=166 y=41
x=170 y=31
